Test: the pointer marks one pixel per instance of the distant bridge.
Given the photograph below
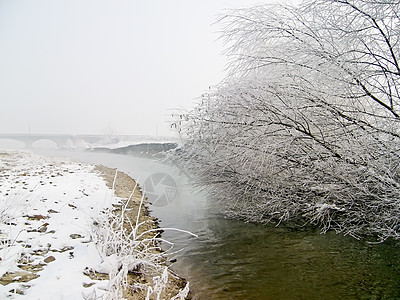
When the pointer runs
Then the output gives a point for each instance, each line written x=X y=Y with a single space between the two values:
x=69 y=140
x=61 y=140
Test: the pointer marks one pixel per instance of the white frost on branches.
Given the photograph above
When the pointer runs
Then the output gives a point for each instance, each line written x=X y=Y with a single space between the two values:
x=306 y=123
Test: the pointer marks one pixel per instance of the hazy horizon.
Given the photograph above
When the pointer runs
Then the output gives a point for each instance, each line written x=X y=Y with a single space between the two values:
x=106 y=67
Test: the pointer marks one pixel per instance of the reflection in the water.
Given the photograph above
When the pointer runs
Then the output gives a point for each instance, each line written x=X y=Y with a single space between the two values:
x=235 y=260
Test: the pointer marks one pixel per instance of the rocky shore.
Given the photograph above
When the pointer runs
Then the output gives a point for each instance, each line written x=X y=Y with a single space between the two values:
x=75 y=231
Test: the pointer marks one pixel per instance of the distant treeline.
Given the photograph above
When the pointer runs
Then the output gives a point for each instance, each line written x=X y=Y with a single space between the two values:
x=145 y=149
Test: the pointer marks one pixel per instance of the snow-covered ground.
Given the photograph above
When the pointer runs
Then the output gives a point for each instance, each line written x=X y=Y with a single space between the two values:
x=50 y=211
x=47 y=210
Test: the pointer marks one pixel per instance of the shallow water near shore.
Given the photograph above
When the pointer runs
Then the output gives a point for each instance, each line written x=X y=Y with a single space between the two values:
x=236 y=260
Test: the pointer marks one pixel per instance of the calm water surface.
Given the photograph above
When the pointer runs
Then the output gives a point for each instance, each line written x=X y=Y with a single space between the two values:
x=237 y=260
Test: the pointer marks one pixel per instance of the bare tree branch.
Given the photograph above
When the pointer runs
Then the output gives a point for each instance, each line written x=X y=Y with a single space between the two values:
x=306 y=125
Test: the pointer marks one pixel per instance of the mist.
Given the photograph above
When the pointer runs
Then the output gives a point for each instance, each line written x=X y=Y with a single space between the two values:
x=105 y=67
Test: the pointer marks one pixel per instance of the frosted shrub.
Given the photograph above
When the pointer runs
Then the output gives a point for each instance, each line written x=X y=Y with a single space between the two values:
x=125 y=248
x=306 y=125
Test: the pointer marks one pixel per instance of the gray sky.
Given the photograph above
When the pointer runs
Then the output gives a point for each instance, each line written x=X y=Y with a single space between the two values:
x=105 y=67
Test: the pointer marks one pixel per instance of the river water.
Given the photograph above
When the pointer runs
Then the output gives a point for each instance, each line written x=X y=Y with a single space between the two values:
x=236 y=260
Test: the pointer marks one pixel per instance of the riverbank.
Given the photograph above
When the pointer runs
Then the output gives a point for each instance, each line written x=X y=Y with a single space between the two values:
x=66 y=233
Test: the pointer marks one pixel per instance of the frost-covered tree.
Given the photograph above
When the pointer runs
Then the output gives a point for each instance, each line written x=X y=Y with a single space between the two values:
x=306 y=126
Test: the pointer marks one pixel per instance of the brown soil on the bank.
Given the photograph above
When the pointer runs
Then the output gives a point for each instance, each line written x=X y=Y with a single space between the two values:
x=123 y=187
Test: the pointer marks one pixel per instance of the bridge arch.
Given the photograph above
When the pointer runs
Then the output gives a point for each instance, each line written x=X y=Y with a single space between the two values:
x=9 y=143
x=39 y=140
